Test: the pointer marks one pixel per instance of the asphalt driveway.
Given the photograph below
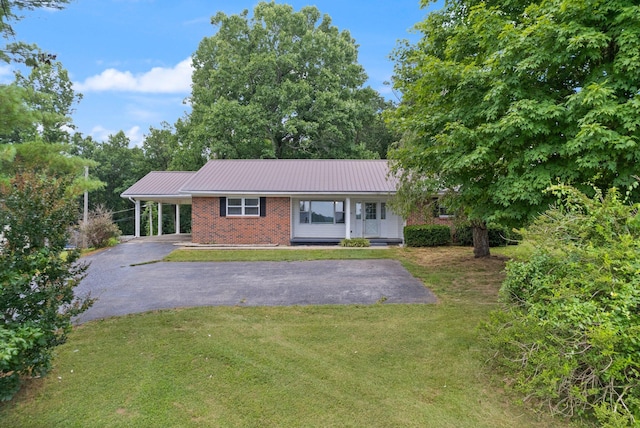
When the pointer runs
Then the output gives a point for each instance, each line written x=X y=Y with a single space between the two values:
x=125 y=279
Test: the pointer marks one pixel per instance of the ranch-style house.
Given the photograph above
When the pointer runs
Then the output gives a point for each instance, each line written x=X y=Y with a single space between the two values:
x=278 y=202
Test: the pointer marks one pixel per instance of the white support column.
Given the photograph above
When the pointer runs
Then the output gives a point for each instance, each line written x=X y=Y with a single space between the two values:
x=347 y=218
x=137 y=220
x=159 y=218
x=177 y=219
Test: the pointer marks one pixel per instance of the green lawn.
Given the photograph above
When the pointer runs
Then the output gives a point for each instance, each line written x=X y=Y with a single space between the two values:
x=281 y=255
x=381 y=365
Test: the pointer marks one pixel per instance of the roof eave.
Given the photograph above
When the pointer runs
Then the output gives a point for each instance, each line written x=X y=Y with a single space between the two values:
x=207 y=193
x=146 y=196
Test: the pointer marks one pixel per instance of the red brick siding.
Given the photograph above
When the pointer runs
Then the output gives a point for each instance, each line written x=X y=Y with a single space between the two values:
x=422 y=216
x=207 y=227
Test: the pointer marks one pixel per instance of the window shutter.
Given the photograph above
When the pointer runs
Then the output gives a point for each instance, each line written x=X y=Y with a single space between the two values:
x=263 y=206
x=223 y=206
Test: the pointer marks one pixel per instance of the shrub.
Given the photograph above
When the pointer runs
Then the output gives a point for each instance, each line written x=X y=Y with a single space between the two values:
x=568 y=335
x=498 y=236
x=37 y=282
x=15 y=345
x=355 y=242
x=100 y=231
x=429 y=235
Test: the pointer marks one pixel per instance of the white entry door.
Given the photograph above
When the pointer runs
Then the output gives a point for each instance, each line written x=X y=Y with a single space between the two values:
x=371 y=220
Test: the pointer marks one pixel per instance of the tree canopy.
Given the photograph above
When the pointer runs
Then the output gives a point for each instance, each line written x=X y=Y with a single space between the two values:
x=20 y=51
x=280 y=84
x=503 y=98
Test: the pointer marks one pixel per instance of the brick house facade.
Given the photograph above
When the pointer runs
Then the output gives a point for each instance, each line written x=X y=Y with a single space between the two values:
x=209 y=227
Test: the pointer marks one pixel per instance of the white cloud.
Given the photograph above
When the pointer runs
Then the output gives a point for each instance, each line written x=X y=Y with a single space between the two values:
x=157 y=80
x=134 y=134
x=6 y=74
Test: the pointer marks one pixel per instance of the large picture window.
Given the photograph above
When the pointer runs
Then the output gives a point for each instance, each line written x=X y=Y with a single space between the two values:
x=243 y=207
x=321 y=212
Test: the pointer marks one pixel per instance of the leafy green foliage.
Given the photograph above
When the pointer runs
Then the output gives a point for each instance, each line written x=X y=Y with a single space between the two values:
x=159 y=147
x=281 y=84
x=427 y=235
x=14 y=344
x=35 y=112
x=498 y=236
x=355 y=242
x=10 y=11
x=501 y=99
x=36 y=283
x=50 y=96
x=569 y=334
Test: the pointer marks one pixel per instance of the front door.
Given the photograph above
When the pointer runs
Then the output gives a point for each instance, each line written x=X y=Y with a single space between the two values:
x=371 y=220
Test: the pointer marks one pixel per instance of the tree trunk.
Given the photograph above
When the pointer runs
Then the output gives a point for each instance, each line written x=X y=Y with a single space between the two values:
x=480 y=240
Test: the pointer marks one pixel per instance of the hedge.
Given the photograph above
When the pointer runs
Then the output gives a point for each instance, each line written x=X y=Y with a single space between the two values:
x=498 y=236
x=429 y=235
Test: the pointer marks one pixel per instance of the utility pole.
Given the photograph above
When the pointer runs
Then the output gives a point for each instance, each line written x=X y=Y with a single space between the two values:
x=85 y=217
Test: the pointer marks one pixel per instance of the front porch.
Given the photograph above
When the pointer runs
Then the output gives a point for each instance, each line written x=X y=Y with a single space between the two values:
x=335 y=241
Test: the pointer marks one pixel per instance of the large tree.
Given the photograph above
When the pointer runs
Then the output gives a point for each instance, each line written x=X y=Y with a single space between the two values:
x=280 y=84
x=503 y=98
x=10 y=11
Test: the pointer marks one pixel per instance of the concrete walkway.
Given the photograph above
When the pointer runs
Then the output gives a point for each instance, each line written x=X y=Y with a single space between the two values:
x=129 y=278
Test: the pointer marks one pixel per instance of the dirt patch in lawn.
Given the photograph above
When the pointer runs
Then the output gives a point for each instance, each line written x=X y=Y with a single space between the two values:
x=455 y=272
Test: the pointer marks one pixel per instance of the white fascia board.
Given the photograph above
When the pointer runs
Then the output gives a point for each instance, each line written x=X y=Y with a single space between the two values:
x=147 y=197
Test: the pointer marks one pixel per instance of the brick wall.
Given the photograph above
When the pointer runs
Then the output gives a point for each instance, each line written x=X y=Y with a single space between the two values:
x=425 y=216
x=207 y=227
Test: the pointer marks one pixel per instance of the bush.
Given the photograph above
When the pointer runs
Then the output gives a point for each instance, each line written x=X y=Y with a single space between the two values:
x=498 y=236
x=428 y=235
x=100 y=231
x=568 y=335
x=15 y=345
x=37 y=282
x=355 y=242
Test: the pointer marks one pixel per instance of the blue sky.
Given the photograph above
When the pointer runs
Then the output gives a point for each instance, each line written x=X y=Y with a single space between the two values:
x=130 y=58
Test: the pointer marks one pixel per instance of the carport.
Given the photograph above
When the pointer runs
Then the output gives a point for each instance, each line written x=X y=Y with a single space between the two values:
x=161 y=187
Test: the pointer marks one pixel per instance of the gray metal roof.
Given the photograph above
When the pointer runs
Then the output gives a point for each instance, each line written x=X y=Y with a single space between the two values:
x=292 y=176
x=160 y=185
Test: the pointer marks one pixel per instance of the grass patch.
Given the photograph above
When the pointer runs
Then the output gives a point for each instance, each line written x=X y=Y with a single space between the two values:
x=276 y=255
x=346 y=366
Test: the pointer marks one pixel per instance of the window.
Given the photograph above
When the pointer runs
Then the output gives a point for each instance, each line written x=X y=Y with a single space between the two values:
x=321 y=212
x=304 y=211
x=243 y=206
x=441 y=210
x=383 y=210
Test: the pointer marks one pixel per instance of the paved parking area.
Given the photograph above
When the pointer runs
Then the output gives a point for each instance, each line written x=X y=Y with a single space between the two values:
x=125 y=279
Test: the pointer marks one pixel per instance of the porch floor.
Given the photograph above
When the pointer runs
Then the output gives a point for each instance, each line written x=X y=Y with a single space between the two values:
x=336 y=241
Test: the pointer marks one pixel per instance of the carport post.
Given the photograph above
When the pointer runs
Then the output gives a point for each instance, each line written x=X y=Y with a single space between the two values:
x=177 y=219
x=347 y=219
x=159 y=218
x=137 y=220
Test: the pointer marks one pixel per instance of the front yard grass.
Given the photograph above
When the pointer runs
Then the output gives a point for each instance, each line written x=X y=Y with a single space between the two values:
x=276 y=255
x=382 y=365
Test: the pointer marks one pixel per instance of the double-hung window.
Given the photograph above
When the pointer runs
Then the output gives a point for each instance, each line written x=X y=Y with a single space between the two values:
x=243 y=207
